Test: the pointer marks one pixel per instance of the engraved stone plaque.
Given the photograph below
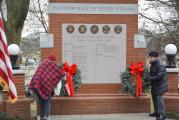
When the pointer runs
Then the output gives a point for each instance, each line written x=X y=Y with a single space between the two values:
x=100 y=57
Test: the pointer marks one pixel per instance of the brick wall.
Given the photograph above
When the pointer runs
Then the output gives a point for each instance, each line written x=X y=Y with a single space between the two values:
x=20 y=84
x=99 y=104
x=172 y=102
x=22 y=107
x=56 y=21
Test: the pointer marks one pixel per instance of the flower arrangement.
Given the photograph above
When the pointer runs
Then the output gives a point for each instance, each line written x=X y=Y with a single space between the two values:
x=134 y=79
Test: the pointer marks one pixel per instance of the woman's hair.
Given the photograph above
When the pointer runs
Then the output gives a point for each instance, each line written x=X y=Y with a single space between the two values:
x=153 y=54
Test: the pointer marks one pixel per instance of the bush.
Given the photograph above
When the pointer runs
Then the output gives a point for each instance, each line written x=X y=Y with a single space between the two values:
x=4 y=116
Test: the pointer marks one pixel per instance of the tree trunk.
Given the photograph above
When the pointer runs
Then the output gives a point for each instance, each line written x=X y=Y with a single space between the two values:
x=13 y=34
x=16 y=14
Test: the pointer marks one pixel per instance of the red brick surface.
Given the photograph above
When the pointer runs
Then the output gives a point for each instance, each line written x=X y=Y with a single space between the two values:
x=22 y=107
x=100 y=104
x=173 y=82
x=20 y=84
x=172 y=102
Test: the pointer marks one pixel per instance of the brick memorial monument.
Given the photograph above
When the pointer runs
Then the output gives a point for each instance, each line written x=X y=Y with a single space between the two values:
x=101 y=37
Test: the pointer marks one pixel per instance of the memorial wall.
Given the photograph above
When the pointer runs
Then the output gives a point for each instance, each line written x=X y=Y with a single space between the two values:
x=96 y=35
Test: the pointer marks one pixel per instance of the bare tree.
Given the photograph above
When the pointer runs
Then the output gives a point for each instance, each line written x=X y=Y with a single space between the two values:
x=37 y=19
x=164 y=18
x=162 y=13
x=14 y=17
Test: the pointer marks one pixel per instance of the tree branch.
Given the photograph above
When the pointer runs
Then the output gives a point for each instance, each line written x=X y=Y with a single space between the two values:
x=151 y=19
x=166 y=3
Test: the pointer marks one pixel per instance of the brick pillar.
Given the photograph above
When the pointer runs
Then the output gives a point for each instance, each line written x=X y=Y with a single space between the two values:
x=22 y=107
x=20 y=83
x=173 y=80
x=172 y=96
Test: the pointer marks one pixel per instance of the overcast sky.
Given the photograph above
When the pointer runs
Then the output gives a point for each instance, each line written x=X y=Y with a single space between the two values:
x=165 y=13
x=29 y=28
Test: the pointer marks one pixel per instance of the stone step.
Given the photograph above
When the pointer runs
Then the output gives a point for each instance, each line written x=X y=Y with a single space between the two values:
x=100 y=104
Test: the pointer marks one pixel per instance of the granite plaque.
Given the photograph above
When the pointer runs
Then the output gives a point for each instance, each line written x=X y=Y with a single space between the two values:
x=100 y=57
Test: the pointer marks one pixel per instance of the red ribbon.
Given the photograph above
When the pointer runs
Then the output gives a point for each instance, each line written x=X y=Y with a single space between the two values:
x=137 y=71
x=70 y=71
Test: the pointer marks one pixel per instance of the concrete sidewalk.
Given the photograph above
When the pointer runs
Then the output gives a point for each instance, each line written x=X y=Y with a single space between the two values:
x=123 y=116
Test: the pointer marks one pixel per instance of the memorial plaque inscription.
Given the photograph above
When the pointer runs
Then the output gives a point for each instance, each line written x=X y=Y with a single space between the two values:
x=99 y=50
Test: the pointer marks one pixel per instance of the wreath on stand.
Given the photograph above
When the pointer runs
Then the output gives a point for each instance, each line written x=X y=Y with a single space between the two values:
x=135 y=79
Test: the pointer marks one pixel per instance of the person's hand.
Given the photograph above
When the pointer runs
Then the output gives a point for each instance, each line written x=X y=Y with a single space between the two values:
x=146 y=77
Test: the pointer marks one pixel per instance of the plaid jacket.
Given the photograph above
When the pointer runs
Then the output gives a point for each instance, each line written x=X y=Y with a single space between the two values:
x=46 y=78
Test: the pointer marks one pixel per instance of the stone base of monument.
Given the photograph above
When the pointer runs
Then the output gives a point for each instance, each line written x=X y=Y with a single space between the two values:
x=107 y=99
x=100 y=99
x=99 y=104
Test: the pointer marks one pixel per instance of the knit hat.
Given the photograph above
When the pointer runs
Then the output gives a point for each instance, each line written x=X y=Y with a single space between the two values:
x=51 y=57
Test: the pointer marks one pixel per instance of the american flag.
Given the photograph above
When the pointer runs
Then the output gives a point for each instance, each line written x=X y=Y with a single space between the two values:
x=6 y=76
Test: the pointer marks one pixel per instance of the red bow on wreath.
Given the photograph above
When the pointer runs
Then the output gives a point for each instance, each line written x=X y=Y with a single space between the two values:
x=137 y=71
x=70 y=71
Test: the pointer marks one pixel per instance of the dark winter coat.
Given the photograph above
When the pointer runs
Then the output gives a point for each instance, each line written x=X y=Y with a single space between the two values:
x=158 y=78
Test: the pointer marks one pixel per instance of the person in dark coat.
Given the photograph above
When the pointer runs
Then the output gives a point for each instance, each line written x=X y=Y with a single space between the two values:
x=159 y=85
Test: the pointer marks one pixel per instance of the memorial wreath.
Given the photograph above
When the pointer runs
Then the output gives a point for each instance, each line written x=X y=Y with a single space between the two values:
x=75 y=74
x=134 y=79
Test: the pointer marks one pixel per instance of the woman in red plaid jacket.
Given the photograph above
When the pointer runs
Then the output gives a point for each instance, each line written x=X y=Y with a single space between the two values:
x=43 y=83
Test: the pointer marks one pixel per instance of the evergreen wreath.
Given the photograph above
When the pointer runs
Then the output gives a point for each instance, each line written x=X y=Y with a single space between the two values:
x=129 y=84
x=76 y=82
